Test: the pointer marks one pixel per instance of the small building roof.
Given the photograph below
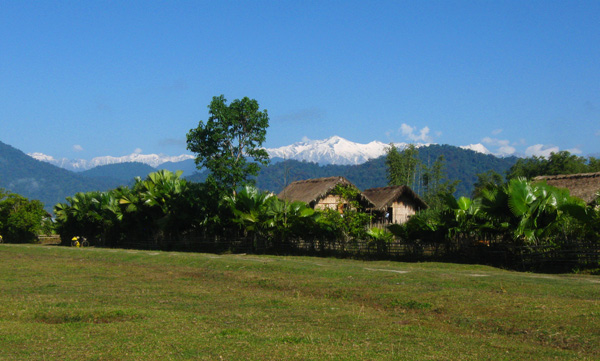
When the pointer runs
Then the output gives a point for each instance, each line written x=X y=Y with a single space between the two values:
x=383 y=197
x=581 y=185
x=312 y=190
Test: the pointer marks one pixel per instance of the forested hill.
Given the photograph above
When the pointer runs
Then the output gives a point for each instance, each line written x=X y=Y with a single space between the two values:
x=122 y=173
x=464 y=164
x=20 y=173
x=31 y=178
x=461 y=164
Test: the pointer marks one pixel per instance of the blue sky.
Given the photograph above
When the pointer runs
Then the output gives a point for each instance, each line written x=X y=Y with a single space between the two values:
x=80 y=79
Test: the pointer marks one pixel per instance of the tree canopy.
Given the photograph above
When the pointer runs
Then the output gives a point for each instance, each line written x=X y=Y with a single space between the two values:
x=229 y=144
x=402 y=165
x=561 y=162
x=406 y=168
x=21 y=219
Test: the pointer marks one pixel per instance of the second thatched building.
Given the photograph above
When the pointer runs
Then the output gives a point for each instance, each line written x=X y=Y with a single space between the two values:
x=394 y=204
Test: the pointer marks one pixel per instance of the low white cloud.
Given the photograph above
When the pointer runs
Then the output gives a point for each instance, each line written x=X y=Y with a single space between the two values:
x=503 y=146
x=305 y=139
x=496 y=131
x=137 y=151
x=420 y=135
x=77 y=148
x=541 y=150
x=574 y=151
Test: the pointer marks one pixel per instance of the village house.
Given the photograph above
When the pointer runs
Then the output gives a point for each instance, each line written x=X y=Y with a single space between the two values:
x=319 y=193
x=582 y=185
x=394 y=204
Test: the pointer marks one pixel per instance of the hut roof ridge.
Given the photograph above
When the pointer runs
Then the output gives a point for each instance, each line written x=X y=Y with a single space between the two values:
x=568 y=176
x=382 y=197
x=581 y=185
x=310 y=190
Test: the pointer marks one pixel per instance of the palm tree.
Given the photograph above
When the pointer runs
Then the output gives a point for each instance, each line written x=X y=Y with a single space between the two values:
x=253 y=211
x=80 y=216
x=380 y=238
x=530 y=212
x=159 y=207
x=461 y=220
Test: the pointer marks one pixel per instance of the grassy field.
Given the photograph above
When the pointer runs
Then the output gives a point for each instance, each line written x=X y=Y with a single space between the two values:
x=59 y=303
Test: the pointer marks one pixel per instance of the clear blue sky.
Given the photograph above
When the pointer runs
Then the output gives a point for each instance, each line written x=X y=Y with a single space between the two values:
x=80 y=79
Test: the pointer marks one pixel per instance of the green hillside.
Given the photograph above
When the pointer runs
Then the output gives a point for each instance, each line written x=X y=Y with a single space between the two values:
x=461 y=164
x=19 y=173
x=121 y=172
x=464 y=164
x=187 y=166
x=31 y=178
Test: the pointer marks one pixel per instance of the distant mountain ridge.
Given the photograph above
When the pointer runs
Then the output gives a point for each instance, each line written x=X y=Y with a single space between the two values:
x=78 y=165
x=34 y=179
x=123 y=173
x=50 y=184
x=462 y=164
x=334 y=150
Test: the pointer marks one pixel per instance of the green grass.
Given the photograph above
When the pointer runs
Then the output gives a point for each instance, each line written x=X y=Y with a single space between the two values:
x=59 y=303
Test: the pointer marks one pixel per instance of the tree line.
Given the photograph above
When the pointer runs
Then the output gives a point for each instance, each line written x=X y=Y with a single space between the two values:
x=167 y=212
x=226 y=212
x=504 y=211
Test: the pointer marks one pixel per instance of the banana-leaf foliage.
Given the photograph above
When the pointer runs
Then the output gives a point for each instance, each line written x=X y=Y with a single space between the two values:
x=154 y=212
x=527 y=213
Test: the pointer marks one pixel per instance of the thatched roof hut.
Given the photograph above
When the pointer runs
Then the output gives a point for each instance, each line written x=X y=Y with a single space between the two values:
x=394 y=204
x=317 y=191
x=384 y=197
x=582 y=185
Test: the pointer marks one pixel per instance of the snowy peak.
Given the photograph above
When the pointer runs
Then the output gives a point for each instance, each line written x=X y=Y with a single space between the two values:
x=153 y=160
x=42 y=157
x=333 y=150
x=337 y=150
x=479 y=148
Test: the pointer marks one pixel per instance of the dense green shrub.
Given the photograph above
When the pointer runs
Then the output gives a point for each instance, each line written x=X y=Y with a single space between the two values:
x=22 y=220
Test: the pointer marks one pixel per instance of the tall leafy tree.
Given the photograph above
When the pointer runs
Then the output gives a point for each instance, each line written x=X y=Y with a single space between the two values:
x=593 y=164
x=21 y=219
x=229 y=144
x=402 y=165
x=436 y=184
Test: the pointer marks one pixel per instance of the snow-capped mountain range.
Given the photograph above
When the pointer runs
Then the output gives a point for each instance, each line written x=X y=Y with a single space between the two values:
x=78 y=165
x=337 y=150
x=333 y=150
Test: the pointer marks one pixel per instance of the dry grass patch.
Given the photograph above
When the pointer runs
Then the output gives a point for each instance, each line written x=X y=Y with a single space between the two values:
x=95 y=304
